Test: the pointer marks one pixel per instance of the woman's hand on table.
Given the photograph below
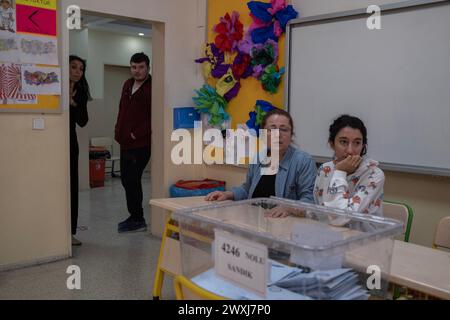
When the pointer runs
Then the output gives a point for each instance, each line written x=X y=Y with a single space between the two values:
x=283 y=212
x=220 y=196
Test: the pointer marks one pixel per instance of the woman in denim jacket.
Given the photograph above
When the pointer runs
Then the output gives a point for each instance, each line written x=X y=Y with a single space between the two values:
x=294 y=178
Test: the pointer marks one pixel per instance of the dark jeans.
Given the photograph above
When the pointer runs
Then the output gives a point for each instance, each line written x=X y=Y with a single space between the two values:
x=132 y=165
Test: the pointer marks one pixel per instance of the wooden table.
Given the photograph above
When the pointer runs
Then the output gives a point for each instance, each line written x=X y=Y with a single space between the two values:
x=420 y=268
x=416 y=267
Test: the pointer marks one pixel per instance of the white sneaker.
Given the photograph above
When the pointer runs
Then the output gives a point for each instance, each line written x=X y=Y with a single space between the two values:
x=75 y=241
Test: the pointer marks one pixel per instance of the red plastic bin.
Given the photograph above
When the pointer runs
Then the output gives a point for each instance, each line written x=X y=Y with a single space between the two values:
x=97 y=173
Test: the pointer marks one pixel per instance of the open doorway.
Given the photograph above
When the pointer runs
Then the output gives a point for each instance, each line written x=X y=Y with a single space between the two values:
x=107 y=43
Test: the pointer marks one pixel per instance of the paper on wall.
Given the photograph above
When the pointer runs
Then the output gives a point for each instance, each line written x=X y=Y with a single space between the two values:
x=8 y=16
x=36 y=20
x=22 y=101
x=11 y=83
x=18 y=101
x=41 y=80
x=38 y=49
x=9 y=47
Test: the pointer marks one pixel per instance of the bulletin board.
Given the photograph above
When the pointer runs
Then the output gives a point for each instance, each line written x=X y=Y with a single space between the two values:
x=30 y=74
x=251 y=90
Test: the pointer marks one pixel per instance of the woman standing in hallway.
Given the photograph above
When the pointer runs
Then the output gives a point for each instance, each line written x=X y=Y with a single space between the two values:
x=79 y=96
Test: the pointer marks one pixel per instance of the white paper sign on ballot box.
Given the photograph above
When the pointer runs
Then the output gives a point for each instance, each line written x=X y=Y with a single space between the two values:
x=241 y=261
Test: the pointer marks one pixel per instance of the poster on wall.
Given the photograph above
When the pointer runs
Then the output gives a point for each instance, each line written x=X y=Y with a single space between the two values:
x=11 y=85
x=33 y=19
x=8 y=16
x=28 y=38
x=9 y=47
x=32 y=100
x=41 y=80
x=38 y=49
x=23 y=48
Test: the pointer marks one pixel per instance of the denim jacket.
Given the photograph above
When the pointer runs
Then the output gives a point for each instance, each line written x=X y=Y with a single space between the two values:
x=295 y=178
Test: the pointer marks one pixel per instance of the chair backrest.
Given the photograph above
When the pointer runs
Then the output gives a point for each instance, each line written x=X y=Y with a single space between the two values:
x=402 y=212
x=101 y=142
x=442 y=236
x=106 y=142
x=185 y=289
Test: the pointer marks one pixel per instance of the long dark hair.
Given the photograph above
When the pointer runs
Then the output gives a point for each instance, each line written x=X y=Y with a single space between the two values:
x=82 y=85
x=344 y=121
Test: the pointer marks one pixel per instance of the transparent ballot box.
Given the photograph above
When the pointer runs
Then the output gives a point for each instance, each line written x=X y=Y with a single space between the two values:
x=235 y=250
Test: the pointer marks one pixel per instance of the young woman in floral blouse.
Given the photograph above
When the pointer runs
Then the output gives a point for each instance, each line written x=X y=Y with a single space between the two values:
x=351 y=181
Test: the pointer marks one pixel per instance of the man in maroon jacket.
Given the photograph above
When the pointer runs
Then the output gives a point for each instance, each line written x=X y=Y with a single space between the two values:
x=133 y=133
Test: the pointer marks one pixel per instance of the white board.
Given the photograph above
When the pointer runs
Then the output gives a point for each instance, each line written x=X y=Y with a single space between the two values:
x=397 y=80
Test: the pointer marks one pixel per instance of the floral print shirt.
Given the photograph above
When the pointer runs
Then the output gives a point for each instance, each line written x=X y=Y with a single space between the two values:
x=362 y=191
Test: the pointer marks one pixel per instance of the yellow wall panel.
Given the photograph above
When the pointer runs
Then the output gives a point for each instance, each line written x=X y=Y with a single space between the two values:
x=44 y=104
x=251 y=89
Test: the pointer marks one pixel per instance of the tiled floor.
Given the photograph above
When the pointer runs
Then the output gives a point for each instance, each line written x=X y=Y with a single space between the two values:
x=113 y=266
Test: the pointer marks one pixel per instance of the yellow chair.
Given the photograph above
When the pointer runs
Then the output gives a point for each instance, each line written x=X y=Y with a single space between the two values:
x=185 y=289
x=442 y=236
x=402 y=212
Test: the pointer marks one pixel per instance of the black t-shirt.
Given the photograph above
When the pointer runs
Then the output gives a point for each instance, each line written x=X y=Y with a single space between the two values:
x=265 y=187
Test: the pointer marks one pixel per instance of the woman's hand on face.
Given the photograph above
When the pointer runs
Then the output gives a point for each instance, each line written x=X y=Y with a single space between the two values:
x=72 y=95
x=349 y=164
x=72 y=91
x=277 y=212
x=220 y=196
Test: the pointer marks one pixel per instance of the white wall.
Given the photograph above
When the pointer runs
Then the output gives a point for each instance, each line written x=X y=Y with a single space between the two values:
x=316 y=7
x=113 y=49
x=79 y=43
x=104 y=112
x=34 y=176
